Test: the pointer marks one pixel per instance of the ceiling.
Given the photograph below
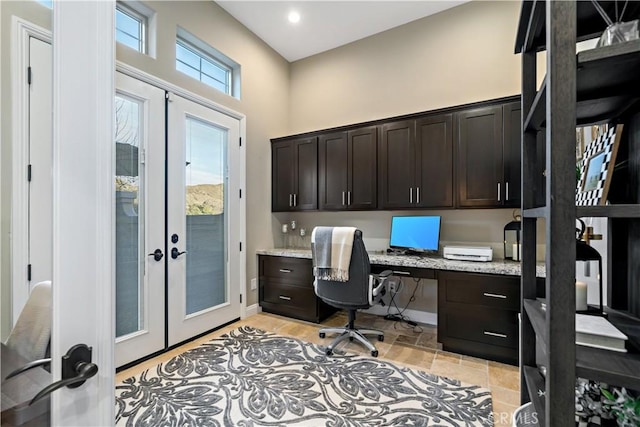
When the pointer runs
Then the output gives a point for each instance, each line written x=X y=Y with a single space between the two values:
x=325 y=25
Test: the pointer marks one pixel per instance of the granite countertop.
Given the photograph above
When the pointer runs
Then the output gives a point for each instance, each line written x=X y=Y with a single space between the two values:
x=504 y=267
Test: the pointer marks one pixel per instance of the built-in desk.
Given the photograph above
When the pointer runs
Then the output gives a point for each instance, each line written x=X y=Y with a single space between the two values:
x=478 y=302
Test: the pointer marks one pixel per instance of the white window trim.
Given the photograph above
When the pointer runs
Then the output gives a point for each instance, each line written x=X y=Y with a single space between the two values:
x=214 y=55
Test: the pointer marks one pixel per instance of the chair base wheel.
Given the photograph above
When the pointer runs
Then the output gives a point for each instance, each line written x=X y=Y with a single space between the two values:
x=350 y=338
x=328 y=352
x=321 y=335
x=374 y=353
x=381 y=338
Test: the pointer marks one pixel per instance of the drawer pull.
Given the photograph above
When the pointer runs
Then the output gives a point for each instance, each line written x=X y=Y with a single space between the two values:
x=289 y=299
x=495 y=334
x=487 y=294
x=285 y=270
x=404 y=273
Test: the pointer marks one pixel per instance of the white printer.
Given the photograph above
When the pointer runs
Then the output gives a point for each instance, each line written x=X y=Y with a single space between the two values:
x=468 y=253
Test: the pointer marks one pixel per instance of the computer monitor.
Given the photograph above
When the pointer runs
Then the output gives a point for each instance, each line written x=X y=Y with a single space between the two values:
x=415 y=233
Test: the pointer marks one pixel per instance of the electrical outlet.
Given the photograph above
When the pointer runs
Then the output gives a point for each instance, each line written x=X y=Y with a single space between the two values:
x=254 y=284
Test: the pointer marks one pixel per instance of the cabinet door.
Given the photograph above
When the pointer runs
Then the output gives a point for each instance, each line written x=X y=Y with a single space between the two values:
x=282 y=170
x=434 y=161
x=396 y=165
x=479 y=166
x=305 y=195
x=512 y=154
x=333 y=159
x=362 y=171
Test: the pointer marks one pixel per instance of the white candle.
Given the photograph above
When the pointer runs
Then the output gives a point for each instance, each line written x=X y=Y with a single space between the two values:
x=581 y=296
x=285 y=228
x=516 y=252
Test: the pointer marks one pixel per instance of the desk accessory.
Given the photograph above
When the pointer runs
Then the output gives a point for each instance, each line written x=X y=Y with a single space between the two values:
x=586 y=253
x=512 y=245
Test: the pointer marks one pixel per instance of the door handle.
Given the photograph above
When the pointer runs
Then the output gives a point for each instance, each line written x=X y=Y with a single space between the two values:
x=175 y=253
x=418 y=195
x=498 y=191
x=76 y=369
x=157 y=254
x=290 y=200
x=411 y=195
x=349 y=198
x=506 y=190
x=343 y=198
x=295 y=199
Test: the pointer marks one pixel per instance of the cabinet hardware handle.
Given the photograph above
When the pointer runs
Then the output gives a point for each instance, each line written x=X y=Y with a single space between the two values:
x=506 y=190
x=487 y=294
x=418 y=195
x=295 y=199
x=290 y=199
x=498 y=191
x=285 y=270
x=349 y=198
x=405 y=273
x=411 y=195
x=343 y=198
x=495 y=334
x=289 y=298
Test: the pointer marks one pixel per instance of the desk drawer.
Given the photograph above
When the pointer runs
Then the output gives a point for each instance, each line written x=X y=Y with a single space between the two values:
x=495 y=327
x=296 y=271
x=290 y=298
x=483 y=290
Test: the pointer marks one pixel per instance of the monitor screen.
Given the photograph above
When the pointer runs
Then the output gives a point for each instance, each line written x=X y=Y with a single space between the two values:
x=418 y=233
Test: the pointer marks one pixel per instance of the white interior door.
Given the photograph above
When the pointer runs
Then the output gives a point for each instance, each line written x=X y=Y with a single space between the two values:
x=40 y=162
x=203 y=233
x=139 y=219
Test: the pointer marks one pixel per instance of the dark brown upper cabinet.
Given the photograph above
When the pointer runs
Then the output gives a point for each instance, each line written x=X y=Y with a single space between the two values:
x=512 y=154
x=434 y=161
x=294 y=175
x=416 y=163
x=347 y=169
x=481 y=163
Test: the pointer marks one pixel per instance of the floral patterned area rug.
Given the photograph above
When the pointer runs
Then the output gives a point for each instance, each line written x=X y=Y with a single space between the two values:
x=249 y=377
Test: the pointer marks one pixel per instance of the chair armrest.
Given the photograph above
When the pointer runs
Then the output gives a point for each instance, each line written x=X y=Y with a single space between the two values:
x=26 y=367
x=378 y=284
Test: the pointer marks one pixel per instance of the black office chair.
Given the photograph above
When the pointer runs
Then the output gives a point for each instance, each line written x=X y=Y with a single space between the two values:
x=362 y=290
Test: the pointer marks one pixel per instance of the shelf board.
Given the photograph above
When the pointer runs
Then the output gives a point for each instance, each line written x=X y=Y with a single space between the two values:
x=590 y=23
x=540 y=212
x=609 y=211
x=607 y=84
x=536 y=384
x=611 y=367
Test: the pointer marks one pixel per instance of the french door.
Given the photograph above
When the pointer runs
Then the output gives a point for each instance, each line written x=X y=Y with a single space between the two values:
x=173 y=226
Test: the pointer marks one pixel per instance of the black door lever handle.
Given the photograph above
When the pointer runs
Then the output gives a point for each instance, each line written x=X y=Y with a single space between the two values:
x=157 y=254
x=175 y=253
x=76 y=369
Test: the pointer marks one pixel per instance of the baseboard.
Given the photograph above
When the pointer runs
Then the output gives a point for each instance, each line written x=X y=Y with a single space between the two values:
x=418 y=316
x=252 y=309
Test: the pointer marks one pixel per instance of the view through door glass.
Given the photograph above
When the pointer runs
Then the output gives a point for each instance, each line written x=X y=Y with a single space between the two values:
x=205 y=177
x=129 y=217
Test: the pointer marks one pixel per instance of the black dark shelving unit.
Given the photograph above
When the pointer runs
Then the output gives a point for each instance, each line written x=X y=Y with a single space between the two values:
x=595 y=86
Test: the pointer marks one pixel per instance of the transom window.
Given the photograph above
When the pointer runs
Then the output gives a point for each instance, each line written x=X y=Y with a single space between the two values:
x=131 y=27
x=202 y=62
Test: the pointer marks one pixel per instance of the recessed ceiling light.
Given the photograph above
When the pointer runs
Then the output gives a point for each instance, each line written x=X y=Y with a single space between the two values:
x=294 y=17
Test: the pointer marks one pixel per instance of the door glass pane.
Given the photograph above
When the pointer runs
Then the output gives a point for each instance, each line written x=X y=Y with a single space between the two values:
x=129 y=214
x=206 y=177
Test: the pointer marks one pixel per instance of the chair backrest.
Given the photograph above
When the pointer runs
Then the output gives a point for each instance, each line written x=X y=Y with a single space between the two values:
x=355 y=292
x=31 y=334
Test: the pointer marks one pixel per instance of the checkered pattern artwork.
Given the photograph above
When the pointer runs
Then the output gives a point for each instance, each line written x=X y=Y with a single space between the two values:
x=596 y=168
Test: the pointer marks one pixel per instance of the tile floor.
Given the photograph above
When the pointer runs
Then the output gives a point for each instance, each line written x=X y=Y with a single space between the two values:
x=404 y=345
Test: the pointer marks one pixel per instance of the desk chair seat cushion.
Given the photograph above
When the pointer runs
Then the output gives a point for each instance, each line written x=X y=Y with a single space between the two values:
x=31 y=334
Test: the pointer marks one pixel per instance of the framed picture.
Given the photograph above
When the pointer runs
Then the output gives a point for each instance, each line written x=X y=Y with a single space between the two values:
x=596 y=168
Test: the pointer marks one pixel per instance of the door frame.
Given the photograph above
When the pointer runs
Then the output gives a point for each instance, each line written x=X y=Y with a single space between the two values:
x=21 y=31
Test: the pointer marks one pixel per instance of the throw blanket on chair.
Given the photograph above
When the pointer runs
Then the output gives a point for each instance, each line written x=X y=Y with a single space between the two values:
x=331 y=252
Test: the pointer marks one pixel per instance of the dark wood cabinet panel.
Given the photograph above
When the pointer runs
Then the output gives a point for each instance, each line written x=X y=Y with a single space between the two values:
x=478 y=315
x=282 y=176
x=480 y=164
x=512 y=154
x=434 y=161
x=348 y=169
x=396 y=166
x=294 y=175
x=333 y=159
x=363 y=172
x=286 y=288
